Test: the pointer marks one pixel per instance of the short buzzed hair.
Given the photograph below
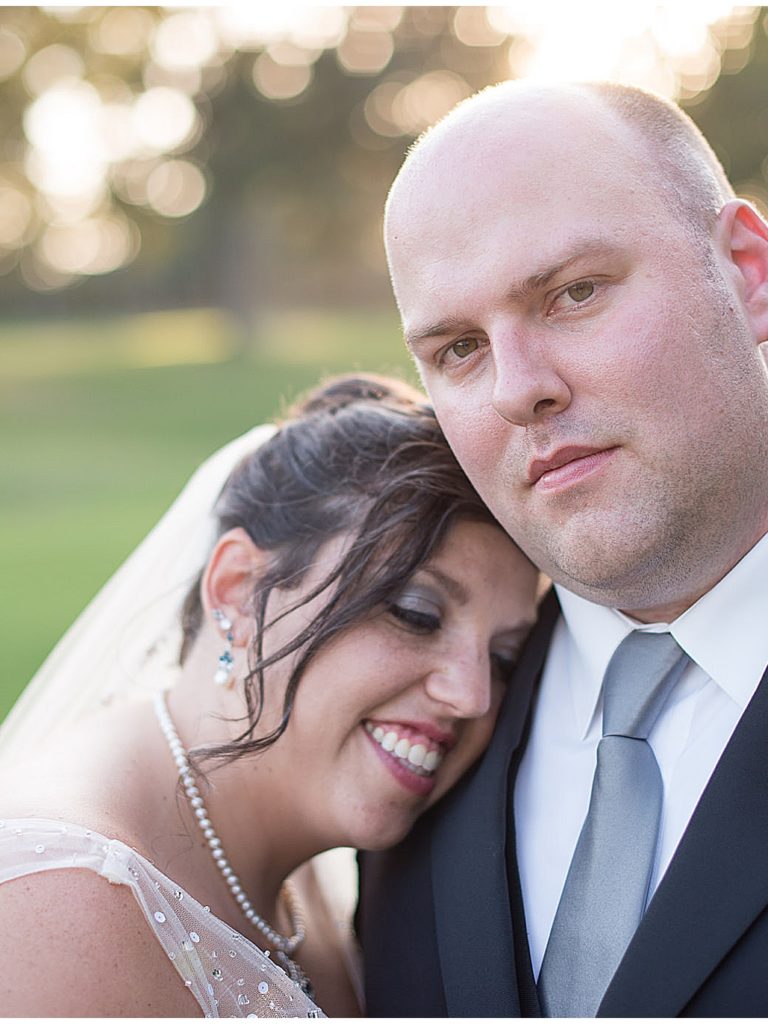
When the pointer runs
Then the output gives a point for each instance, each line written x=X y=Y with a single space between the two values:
x=690 y=175
x=681 y=163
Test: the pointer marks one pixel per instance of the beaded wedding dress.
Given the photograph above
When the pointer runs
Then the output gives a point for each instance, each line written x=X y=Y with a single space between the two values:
x=226 y=973
x=125 y=646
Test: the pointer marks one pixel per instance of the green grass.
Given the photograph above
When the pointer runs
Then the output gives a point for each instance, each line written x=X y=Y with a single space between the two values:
x=102 y=422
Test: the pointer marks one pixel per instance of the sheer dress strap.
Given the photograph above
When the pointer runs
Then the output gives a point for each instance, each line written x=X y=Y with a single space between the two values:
x=226 y=973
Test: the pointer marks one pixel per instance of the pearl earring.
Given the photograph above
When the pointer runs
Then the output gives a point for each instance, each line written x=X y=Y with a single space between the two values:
x=223 y=674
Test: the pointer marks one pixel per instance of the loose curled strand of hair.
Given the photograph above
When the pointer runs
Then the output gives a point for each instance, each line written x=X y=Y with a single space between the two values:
x=363 y=455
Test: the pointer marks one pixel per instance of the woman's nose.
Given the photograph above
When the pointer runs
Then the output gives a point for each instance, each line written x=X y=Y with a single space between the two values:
x=462 y=684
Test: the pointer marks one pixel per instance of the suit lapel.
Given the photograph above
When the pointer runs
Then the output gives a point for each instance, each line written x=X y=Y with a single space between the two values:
x=469 y=877
x=716 y=884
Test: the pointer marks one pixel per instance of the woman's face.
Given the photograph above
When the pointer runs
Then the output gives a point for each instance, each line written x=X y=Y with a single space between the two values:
x=390 y=714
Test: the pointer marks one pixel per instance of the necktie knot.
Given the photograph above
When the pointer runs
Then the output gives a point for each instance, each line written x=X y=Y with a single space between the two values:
x=639 y=678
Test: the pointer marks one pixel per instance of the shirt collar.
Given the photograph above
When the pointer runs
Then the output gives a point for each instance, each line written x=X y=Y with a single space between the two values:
x=724 y=633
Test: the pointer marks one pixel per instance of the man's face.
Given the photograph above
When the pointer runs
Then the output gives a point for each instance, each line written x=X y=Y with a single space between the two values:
x=590 y=361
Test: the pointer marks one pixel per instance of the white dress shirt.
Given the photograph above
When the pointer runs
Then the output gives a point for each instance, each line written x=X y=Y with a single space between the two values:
x=726 y=636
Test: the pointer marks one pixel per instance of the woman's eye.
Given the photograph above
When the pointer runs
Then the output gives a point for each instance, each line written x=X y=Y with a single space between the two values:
x=503 y=665
x=581 y=291
x=417 y=614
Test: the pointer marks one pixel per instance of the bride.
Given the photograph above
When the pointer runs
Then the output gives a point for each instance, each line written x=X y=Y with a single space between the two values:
x=343 y=654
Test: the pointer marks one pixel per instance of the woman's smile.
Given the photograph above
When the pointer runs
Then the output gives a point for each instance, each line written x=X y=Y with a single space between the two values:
x=411 y=756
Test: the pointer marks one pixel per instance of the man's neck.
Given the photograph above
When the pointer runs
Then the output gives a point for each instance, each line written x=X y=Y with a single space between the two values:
x=669 y=611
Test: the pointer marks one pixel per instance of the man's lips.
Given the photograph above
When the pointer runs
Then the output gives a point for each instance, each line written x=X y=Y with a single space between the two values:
x=573 y=460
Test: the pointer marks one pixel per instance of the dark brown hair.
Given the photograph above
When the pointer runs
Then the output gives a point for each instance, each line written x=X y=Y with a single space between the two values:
x=362 y=455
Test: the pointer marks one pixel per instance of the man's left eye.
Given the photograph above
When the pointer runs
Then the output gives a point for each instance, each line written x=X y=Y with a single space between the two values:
x=463 y=347
x=581 y=291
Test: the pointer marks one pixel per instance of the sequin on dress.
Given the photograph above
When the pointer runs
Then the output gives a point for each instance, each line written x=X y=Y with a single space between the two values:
x=226 y=973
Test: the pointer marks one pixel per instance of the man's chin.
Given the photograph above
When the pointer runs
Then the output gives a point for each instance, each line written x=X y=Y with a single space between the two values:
x=606 y=567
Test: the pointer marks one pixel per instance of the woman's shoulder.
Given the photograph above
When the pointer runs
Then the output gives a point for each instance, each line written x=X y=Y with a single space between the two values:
x=158 y=951
x=90 y=773
x=87 y=939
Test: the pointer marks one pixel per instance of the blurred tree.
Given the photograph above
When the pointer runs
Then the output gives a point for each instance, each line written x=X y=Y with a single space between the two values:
x=248 y=162
x=733 y=115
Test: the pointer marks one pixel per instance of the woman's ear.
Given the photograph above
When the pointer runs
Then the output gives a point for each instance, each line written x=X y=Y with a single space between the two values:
x=228 y=580
x=743 y=235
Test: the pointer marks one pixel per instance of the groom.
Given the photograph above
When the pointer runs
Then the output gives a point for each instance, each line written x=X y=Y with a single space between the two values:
x=585 y=300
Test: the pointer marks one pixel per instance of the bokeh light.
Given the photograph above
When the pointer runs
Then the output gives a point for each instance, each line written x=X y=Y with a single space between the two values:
x=118 y=122
x=175 y=188
x=419 y=104
x=15 y=217
x=121 y=31
x=96 y=245
x=184 y=40
x=163 y=119
x=67 y=155
x=49 y=66
x=280 y=81
x=13 y=52
x=365 y=52
x=472 y=27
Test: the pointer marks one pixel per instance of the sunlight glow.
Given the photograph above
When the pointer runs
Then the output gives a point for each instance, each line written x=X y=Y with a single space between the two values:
x=667 y=47
x=96 y=139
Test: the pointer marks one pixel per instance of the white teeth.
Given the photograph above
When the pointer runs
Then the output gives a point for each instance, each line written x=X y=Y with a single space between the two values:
x=389 y=741
x=417 y=755
x=431 y=761
x=402 y=748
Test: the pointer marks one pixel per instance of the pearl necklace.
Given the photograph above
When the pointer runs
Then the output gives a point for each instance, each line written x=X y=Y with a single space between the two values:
x=284 y=946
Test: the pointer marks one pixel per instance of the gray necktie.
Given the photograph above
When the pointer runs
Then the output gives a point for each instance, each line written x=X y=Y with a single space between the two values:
x=606 y=890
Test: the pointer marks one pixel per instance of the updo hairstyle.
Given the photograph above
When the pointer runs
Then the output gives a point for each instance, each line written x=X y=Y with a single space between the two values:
x=362 y=455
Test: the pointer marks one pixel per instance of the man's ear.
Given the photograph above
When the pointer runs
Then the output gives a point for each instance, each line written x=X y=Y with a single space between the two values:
x=228 y=580
x=743 y=236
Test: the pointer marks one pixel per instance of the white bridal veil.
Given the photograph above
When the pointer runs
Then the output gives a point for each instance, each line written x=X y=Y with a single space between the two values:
x=126 y=642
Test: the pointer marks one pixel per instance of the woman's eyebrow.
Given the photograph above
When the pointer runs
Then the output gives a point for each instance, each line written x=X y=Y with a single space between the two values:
x=455 y=589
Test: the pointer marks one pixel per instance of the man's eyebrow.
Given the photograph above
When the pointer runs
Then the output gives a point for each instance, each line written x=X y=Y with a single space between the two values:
x=436 y=330
x=519 y=289
x=582 y=250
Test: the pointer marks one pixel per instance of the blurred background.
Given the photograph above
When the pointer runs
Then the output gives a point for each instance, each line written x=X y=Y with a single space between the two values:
x=190 y=229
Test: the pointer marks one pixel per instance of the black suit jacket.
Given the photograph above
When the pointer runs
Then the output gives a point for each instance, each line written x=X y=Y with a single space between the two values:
x=441 y=917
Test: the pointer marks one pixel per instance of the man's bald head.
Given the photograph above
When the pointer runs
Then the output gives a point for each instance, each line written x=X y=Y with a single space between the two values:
x=674 y=156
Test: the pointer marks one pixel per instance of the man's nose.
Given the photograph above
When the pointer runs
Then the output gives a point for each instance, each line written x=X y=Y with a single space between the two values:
x=528 y=385
x=462 y=684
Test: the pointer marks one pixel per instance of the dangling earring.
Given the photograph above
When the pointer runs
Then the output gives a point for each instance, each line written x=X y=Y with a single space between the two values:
x=223 y=674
